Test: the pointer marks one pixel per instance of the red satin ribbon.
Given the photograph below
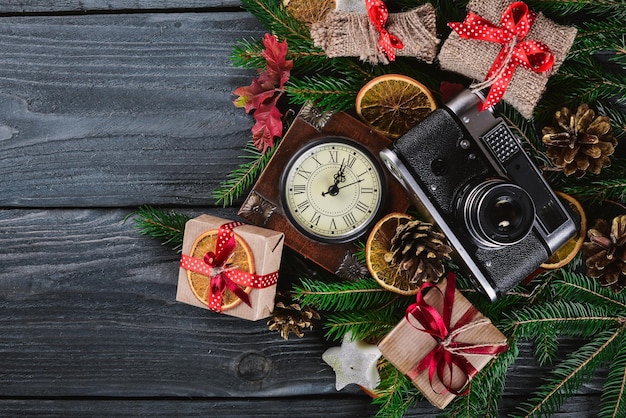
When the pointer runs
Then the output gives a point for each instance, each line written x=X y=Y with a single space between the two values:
x=515 y=23
x=378 y=14
x=448 y=355
x=214 y=265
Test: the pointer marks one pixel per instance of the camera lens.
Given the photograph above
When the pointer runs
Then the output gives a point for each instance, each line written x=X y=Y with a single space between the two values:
x=498 y=213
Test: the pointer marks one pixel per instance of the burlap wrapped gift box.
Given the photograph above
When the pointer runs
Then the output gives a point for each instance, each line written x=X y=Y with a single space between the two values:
x=473 y=58
x=350 y=34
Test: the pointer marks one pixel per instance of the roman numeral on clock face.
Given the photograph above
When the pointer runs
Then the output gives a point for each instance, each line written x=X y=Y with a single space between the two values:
x=362 y=207
x=349 y=219
x=303 y=173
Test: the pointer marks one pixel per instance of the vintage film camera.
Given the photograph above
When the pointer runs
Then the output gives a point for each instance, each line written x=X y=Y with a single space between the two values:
x=472 y=176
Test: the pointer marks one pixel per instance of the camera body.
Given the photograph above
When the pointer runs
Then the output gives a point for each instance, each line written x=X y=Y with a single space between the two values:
x=474 y=180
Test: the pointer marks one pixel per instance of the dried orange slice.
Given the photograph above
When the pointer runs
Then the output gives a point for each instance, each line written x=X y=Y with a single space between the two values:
x=393 y=103
x=388 y=275
x=568 y=251
x=241 y=258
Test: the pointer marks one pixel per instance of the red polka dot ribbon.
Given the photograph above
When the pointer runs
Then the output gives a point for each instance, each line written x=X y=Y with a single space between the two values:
x=449 y=355
x=515 y=23
x=215 y=266
x=378 y=14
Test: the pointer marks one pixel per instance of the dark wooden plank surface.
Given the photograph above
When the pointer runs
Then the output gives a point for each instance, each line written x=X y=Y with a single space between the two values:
x=99 y=114
x=141 y=108
x=110 y=6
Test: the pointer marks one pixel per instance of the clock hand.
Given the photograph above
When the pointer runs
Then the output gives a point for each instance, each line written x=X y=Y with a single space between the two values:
x=333 y=190
x=346 y=185
x=340 y=177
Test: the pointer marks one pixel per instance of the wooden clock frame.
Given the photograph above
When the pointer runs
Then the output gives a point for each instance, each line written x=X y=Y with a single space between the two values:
x=264 y=206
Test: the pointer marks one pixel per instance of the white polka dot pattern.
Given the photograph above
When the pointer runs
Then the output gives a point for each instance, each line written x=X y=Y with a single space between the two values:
x=515 y=23
x=378 y=14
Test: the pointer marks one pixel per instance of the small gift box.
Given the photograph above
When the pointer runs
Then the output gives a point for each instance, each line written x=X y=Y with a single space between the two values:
x=378 y=36
x=442 y=342
x=507 y=48
x=229 y=267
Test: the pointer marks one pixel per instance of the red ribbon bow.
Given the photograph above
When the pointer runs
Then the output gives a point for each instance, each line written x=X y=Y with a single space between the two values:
x=515 y=23
x=378 y=14
x=448 y=355
x=215 y=266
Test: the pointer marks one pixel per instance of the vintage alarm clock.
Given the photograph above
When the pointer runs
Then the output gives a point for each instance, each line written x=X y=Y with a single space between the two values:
x=325 y=187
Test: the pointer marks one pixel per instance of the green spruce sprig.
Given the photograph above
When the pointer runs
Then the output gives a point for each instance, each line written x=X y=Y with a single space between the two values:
x=327 y=92
x=395 y=393
x=243 y=177
x=613 y=399
x=370 y=324
x=570 y=374
x=485 y=389
x=596 y=190
x=342 y=296
x=163 y=225
x=583 y=81
x=570 y=8
x=598 y=37
x=361 y=307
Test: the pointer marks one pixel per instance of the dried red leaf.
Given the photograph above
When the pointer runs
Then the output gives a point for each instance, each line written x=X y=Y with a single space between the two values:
x=261 y=96
x=268 y=125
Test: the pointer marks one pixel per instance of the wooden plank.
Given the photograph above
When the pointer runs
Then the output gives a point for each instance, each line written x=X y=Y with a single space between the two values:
x=323 y=406
x=117 y=110
x=55 y=6
x=88 y=311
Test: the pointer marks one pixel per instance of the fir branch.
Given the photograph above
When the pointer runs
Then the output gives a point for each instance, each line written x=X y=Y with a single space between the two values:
x=583 y=81
x=248 y=53
x=545 y=345
x=366 y=323
x=165 y=226
x=613 y=399
x=396 y=393
x=326 y=92
x=241 y=178
x=617 y=115
x=598 y=36
x=598 y=190
x=571 y=318
x=342 y=296
x=567 y=8
x=570 y=374
x=277 y=20
x=576 y=286
x=485 y=388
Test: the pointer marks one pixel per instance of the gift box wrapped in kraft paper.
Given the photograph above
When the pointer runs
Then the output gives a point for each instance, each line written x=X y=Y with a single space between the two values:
x=442 y=342
x=229 y=267
x=507 y=48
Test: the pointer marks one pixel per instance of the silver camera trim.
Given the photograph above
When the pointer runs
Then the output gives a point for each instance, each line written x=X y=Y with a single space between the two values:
x=403 y=175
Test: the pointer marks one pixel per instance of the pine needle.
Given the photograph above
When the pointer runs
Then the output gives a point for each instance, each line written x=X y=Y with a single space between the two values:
x=342 y=296
x=613 y=400
x=396 y=393
x=162 y=225
x=569 y=375
x=243 y=177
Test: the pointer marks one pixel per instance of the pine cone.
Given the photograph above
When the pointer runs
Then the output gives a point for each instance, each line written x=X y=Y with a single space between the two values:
x=418 y=250
x=580 y=142
x=289 y=316
x=606 y=252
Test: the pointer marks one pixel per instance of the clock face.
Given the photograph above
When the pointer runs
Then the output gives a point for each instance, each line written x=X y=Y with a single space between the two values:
x=332 y=190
